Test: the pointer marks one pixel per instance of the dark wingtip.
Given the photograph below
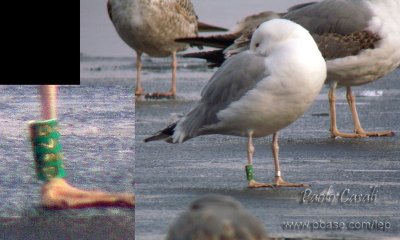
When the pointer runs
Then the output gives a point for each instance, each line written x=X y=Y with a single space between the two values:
x=109 y=9
x=214 y=58
x=215 y=41
x=164 y=134
x=155 y=138
x=205 y=27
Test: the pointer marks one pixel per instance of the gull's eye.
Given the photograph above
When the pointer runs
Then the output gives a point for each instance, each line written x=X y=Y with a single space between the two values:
x=257 y=44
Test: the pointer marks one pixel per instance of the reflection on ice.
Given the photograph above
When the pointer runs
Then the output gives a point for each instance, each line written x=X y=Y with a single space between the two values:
x=370 y=93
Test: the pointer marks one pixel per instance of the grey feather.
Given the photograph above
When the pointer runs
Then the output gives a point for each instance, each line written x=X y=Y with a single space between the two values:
x=232 y=81
x=335 y=16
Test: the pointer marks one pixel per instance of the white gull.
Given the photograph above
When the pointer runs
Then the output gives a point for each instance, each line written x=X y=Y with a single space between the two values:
x=257 y=92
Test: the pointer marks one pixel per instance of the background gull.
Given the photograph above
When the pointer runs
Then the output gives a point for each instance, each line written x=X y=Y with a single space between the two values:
x=358 y=39
x=243 y=28
x=151 y=26
x=257 y=92
x=217 y=217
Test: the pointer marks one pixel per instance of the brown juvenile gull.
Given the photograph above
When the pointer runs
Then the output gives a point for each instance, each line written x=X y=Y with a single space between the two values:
x=358 y=39
x=151 y=26
x=257 y=92
x=217 y=217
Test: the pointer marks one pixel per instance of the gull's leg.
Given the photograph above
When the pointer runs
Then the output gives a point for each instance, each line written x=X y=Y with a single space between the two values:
x=351 y=99
x=138 y=89
x=332 y=111
x=279 y=182
x=173 y=67
x=172 y=92
x=249 y=167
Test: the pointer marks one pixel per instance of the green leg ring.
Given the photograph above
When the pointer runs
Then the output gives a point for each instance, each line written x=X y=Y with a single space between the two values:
x=47 y=149
x=249 y=172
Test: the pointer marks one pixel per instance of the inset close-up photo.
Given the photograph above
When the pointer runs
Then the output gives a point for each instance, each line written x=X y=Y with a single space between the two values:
x=68 y=159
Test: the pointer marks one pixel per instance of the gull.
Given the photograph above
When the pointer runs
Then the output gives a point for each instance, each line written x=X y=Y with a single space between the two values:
x=151 y=26
x=217 y=217
x=359 y=40
x=257 y=92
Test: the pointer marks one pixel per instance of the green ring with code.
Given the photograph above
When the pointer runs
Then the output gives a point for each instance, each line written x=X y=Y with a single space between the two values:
x=249 y=172
x=47 y=149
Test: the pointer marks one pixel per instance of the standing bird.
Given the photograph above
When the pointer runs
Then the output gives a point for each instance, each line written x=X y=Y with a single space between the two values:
x=359 y=40
x=151 y=27
x=257 y=92
x=217 y=217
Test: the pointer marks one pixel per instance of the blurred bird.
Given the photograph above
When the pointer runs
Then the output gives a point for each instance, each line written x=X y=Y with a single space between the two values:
x=151 y=26
x=217 y=217
x=257 y=92
x=358 y=39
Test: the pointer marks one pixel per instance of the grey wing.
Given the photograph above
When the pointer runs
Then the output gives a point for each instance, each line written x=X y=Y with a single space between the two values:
x=337 y=26
x=301 y=5
x=233 y=79
x=332 y=16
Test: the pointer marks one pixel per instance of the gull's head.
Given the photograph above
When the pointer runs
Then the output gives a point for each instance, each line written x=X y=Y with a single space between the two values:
x=274 y=33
